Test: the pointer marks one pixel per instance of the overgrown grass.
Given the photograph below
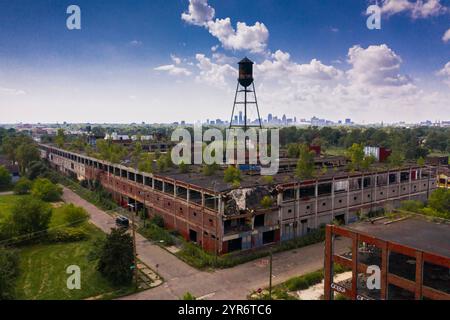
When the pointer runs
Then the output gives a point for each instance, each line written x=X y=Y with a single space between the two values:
x=43 y=265
x=157 y=234
x=43 y=271
x=99 y=199
x=303 y=282
x=200 y=259
x=6 y=204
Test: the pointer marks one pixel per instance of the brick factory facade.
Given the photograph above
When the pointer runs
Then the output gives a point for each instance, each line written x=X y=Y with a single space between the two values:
x=221 y=219
x=412 y=254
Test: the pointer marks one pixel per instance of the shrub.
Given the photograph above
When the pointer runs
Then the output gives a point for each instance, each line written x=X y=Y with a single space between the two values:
x=209 y=169
x=158 y=234
x=412 y=205
x=189 y=296
x=157 y=220
x=305 y=281
x=45 y=190
x=440 y=201
x=267 y=179
x=232 y=174
x=23 y=186
x=117 y=258
x=74 y=215
x=5 y=178
x=30 y=215
x=67 y=235
x=266 y=202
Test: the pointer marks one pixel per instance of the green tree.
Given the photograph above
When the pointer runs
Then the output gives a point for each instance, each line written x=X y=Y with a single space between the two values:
x=23 y=186
x=232 y=174
x=305 y=163
x=146 y=163
x=421 y=161
x=356 y=155
x=46 y=190
x=60 y=138
x=396 y=159
x=293 y=150
x=440 y=201
x=137 y=153
x=367 y=162
x=26 y=154
x=266 y=202
x=74 y=215
x=116 y=258
x=9 y=272
x=36 y=169
x=30 y=215
x=5 y=178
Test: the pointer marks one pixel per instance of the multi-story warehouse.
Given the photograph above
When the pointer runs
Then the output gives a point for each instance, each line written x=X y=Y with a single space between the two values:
x=221 y=219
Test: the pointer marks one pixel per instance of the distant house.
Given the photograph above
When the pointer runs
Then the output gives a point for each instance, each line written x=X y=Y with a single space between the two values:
x=12 y=168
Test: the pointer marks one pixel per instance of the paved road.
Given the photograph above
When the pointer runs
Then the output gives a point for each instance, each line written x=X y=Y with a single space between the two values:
x=232 y=283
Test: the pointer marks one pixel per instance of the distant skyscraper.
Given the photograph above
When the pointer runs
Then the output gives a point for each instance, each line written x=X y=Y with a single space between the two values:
x=236 y=120
x=269 y=118
x=284 y=119
x=241 y=121
x=348 y=121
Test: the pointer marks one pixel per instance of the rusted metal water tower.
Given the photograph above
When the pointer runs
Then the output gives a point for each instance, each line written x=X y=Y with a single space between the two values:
x=245 y=80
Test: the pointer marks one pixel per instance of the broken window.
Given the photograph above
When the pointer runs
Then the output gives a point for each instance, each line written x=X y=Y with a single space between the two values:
x=158 y=185
x=340 y=186
x=324 y=189
x=259 y=220
x=404 y=176
x=307 y=192
x=289 y=194
x=392 y=178
x=169 y=188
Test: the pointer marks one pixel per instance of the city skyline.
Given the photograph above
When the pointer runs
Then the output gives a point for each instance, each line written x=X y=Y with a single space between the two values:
x=331 y=66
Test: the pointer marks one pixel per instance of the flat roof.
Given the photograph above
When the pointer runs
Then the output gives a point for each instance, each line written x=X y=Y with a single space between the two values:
x=416 y=231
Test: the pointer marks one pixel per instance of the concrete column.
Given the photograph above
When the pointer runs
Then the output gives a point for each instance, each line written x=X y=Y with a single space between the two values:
x=332 y=199
x=316 y=218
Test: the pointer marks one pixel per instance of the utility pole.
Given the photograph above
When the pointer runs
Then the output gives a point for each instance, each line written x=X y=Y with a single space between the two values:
x=270 y=275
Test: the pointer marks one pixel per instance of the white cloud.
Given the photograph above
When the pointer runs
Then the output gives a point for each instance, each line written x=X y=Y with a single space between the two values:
x=174 y=70
x=244 y=37
x=445 y=72
x=135 y=43
x=253 y=38
x=280 y=65
x=446 y=36
x=11 y=92
x=199 y=13
x=213 y=74
x=376 y=66
x=417 y=9
x=175 y=59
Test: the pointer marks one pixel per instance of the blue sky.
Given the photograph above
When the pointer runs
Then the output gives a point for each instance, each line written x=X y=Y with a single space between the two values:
x=165 y=61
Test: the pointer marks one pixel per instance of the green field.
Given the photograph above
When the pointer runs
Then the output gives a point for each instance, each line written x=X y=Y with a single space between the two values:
x=43 y=266
x=6 y=203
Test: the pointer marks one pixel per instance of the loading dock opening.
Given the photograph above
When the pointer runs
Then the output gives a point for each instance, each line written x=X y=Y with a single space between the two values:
x=235 y=245
x=268 y=237
x=192 y=235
